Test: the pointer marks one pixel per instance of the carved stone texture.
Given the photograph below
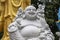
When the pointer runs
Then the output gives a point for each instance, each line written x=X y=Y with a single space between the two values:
x=31 y=26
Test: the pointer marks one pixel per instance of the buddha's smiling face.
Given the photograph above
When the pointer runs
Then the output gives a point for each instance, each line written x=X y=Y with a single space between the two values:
x=30 y=11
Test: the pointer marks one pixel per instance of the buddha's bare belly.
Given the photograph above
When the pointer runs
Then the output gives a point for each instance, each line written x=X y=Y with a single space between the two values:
x=30 y=31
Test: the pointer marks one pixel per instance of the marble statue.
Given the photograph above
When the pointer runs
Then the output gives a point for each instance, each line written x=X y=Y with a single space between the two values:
x=30 y=24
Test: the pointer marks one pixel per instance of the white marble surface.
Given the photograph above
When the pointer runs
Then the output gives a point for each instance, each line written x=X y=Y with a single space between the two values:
x=30 y=25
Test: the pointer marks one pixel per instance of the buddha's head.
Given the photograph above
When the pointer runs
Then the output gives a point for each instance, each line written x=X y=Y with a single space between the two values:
x=30 y=12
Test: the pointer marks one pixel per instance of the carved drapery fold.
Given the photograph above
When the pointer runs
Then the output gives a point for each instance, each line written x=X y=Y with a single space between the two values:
x=2 y=8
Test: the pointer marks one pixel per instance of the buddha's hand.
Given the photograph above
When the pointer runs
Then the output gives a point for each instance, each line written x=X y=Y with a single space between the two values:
x=12 y=27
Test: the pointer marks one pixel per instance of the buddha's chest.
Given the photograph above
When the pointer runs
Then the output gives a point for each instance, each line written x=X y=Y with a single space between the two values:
x=28 y=22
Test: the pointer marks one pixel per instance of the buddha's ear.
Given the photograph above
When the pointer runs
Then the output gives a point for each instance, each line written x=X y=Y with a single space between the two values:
x=43 y=6
x=19 y=13
x=20 y=10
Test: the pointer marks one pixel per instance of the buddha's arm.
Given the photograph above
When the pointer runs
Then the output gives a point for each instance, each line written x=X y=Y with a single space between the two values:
x=14 y=32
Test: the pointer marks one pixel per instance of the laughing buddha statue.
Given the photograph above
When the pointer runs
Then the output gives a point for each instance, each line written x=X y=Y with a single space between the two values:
x=30 y=24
